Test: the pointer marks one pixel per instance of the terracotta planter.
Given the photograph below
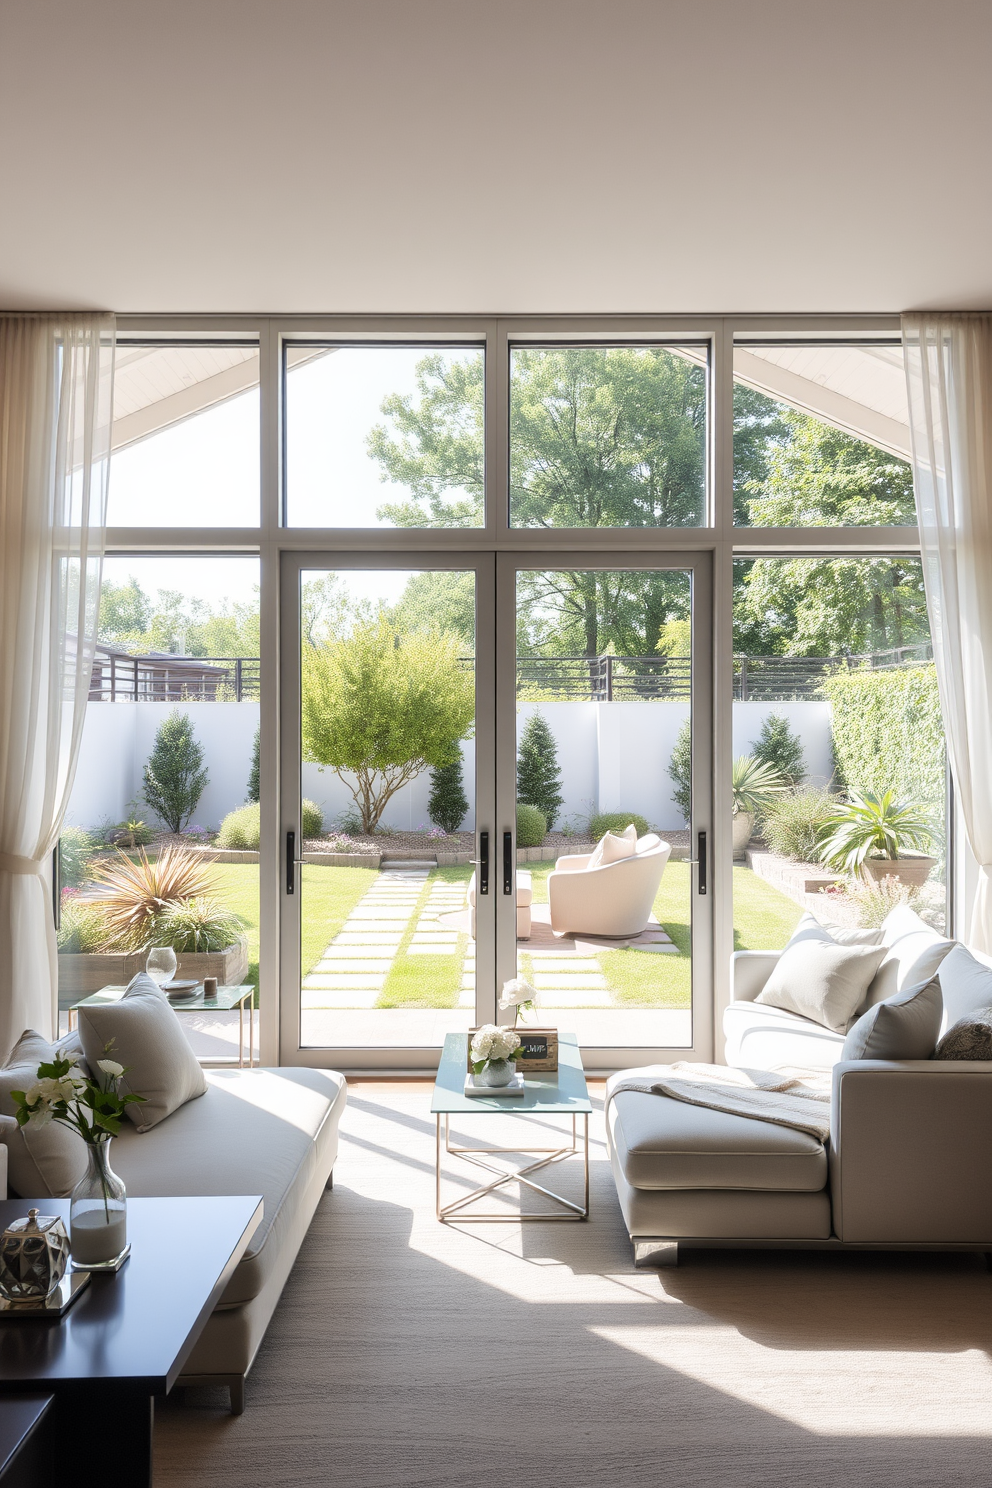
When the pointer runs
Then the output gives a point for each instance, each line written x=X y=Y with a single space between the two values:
x=743 y=828
x=80 y=974
x=914 y=869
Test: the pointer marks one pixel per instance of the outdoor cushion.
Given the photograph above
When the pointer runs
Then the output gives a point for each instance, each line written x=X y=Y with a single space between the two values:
x=42 y=1161
x=905 y=1026
x=823 y=982
x=258 y=1131
x=966 y=985
x=613 y=847
x=148 y=1039
x=664 y=1143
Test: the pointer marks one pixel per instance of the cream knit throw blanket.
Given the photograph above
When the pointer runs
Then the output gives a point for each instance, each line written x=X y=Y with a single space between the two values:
x=787 y=1097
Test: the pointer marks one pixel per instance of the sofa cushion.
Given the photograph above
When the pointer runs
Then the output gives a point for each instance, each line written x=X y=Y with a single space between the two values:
x=257 y=1131
x=905 y=1026
x=823 y=982
x=42 y=1161
x=810 y=928
x=148 y=1039
x=764 y=1037
x=969 y=1038
x=911 y=958
x=664 y=1143
x=965 y=983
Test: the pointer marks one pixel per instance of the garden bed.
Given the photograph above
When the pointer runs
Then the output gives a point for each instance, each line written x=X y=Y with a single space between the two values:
x=81 y=973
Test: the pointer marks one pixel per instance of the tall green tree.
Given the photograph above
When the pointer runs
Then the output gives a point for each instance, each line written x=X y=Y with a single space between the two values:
x=447 y=803
x=538 y=775
x=379 y=707
x=174 y=777
x=255 y=773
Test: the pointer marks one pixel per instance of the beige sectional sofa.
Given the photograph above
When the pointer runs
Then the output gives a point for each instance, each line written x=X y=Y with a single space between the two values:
x=903 y=1168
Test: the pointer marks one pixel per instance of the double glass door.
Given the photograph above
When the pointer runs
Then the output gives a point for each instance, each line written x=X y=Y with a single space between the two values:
x=458 y=733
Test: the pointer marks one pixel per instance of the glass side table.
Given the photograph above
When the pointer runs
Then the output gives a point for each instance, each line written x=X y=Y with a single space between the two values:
x=563 y=1093
x=227 y=998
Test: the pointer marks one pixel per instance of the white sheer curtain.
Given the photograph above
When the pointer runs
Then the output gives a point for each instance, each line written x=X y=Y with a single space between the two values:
x=56 y=383
x=949 y=374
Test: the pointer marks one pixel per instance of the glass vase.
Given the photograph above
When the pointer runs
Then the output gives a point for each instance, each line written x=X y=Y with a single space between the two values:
x=98 y=1213
x=496 y=1073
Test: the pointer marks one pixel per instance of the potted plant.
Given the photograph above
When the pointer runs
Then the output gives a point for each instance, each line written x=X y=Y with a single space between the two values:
x=869 y=833
x=493 y=1053
x=755 y=783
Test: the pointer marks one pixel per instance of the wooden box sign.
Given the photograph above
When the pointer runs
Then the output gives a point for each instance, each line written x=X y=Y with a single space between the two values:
x=540 y=1050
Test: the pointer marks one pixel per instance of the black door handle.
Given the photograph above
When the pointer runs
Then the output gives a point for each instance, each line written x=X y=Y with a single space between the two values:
x=290 y=862
x=483 y=862
x=507 y=862
x=701 y=860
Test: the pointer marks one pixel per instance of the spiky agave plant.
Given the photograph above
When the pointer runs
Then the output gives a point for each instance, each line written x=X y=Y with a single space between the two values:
x=135 y=893
x=755 y=782
x=872 y=826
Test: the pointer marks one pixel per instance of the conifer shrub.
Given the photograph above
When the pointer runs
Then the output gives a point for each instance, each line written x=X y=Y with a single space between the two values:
x=448 y=802
x=538 y=775
x=174 y=777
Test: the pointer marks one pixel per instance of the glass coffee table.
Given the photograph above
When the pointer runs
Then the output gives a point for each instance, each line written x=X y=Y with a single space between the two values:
x=562 y=1093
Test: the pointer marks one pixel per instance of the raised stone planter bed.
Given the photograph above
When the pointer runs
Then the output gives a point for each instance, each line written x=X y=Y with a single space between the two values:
x=807 y=884
x=80 y=974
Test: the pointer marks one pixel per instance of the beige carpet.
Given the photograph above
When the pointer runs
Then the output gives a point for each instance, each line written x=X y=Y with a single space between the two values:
x=406 y=1354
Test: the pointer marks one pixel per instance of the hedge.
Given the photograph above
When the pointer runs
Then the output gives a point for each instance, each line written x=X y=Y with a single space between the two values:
x=887 y=732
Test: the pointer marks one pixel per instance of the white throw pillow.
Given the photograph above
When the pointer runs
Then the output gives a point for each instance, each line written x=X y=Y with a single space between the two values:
x=810 y=928
x=906 y=1026
x=42 y=1161
x=909 y=961
x=826 y=983
x=148 y=1039
x=613 y=847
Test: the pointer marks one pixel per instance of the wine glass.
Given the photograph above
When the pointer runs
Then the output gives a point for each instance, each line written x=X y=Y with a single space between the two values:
x=161 y=964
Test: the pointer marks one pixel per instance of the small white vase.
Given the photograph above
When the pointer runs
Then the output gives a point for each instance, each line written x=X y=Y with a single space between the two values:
x=496 y=1073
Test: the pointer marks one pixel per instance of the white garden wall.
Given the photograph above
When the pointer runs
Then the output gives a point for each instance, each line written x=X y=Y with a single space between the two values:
x=613 y=757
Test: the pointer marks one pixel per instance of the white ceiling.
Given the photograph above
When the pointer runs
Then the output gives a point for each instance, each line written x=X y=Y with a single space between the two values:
x=496 y=155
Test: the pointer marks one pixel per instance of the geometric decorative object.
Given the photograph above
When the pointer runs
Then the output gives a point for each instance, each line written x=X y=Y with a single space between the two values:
x=34 y=1253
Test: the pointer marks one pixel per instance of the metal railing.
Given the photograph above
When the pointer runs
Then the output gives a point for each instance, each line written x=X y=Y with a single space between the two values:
x=602 y=679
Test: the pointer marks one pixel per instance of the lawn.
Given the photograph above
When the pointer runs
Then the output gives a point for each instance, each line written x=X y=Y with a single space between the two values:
x=763 y=917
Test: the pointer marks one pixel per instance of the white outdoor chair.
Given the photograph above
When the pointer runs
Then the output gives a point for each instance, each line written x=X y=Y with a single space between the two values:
x=615 y=899
x=525 y=894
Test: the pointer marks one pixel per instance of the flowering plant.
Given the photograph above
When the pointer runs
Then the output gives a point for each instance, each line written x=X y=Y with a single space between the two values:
x=517 y=994
x=492 y=1045
x=93 y=1108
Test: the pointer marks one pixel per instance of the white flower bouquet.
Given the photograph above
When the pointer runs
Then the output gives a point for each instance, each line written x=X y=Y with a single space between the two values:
x=517 y=994
x=493 y=1045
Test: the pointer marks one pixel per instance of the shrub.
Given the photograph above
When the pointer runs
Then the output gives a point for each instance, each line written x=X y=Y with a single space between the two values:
x=448 y=802
x=778 y=746
x=131 y=833
x=792 y=823
x=616 y=821
x=876 y=901
x=135 y=894
x=680 y=770
x=755 y=784
x=241 y=830
x=174 y=775
x=532 y=825
x=255 y=771
x=311 y=818
x=198 y=924
x=870 y=825
x=80 y=926
x=75 y=849
x=538 y=775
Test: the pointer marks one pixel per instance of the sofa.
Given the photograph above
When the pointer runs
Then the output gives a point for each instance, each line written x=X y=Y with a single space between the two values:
x=272 y=1132
x=907 y=1155
x=609 y=898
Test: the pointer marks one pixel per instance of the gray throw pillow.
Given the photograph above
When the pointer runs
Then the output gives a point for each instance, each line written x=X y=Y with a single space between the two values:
x=823 y=982
x=969 y=1038
x=906 y=1026
x=42 y=1161
x=148 y=1040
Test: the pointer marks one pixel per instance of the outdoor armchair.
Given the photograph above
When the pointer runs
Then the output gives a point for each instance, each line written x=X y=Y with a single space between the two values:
x=615 y=899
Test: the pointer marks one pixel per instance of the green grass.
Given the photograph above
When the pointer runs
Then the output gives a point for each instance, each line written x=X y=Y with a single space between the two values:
x=763 y=918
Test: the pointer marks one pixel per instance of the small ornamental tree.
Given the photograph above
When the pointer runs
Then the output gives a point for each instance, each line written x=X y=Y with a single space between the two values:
x=448 y=802
x=174 y=775
x=538 y=775
x=680 y=770
x=778 y=746
x=253 y=773
x=380 y=708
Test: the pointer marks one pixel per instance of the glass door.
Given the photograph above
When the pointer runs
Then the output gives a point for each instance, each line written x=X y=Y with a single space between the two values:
x=387 y=771
x=604 y=711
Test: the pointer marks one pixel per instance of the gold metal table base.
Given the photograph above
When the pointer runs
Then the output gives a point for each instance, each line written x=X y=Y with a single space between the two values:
x=453 y=1211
